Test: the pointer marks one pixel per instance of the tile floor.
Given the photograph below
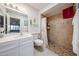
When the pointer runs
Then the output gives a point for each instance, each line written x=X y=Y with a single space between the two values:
x=61 y=51
x=45 y=52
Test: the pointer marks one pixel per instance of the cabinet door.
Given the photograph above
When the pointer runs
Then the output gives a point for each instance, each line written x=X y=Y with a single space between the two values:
x=26 y=50
x=26 y=47
x=9 y=48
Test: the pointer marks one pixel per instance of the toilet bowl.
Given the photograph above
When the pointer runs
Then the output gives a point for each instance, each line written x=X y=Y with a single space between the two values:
x=38 y=42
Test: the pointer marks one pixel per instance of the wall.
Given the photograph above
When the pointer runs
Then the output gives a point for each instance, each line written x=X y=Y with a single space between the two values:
x=31 y=13
x=60 y=32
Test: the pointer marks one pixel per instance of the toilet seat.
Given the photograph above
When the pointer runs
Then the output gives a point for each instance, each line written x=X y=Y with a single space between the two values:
x=38 y=42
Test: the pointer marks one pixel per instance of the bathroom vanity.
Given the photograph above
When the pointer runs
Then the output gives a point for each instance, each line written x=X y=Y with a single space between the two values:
x=16 y=45
x=14 y=42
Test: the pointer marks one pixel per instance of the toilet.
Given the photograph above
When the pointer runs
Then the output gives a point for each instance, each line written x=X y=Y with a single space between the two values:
x=37 y=40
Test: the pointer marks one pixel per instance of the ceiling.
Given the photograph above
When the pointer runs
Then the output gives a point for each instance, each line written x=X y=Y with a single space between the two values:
x=39 y=6
x=56 y=9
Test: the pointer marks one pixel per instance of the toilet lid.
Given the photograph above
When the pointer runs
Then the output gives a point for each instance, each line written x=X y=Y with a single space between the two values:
x=38 y=41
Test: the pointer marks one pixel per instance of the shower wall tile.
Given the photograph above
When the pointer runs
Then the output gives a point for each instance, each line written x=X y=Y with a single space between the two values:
x=60 y=31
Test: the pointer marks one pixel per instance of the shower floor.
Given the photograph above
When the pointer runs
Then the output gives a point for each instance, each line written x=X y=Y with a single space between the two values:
x=61 y=51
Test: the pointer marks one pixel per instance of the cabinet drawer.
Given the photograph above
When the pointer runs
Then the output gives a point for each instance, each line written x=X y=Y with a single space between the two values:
x=26 y=41
x=7 y=44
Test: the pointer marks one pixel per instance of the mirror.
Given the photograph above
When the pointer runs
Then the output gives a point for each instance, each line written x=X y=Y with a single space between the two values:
x=14 y=24
x=1 y=21
x=1 y=25
x=13 y=21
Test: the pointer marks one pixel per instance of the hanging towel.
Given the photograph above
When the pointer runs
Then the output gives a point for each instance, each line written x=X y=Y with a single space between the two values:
x=75 y=41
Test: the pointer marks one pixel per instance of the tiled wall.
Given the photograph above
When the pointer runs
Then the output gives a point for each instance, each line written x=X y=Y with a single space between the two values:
x=60 y=32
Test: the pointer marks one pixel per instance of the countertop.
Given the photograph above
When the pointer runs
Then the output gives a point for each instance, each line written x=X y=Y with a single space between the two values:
x=13 y=36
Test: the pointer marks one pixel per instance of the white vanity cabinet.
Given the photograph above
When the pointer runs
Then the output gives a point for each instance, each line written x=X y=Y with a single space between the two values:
x=26 y=46
x=17 y=46
x=8 y=48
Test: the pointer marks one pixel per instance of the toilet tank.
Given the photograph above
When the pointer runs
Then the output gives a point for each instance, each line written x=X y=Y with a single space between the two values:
x=36 y=36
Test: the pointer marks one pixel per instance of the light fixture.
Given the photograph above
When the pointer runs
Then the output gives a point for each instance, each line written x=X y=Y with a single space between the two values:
x=11 y=5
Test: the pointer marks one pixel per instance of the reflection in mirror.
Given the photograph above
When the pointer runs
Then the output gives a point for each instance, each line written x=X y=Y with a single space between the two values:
x=1 y=26
x=1 y=21
x=25 y=22
x=14 y=24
